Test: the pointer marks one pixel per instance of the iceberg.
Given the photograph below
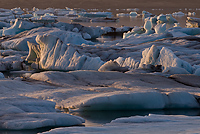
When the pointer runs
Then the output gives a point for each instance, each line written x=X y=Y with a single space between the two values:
x=193 y=22
x=17 y=27
x=164 y=57
x=20 y=42
x=129 y=62
x=54 y=54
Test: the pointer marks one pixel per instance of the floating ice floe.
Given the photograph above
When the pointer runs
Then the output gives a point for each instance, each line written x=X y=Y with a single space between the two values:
x=5 y=14
x=17 y=27
x=17 y=11
x=22 y=113
x=146 y=14
x=95 y=14
x=135 y=38
x=119 y=91
x=133 y=13
x=81 y=19
x=46 y=18
x=152 y=123
x=193 y=22
x=135 y=31
x=132 y=9
x=12 y=63
x=178 y=13
x=61 y=12
x=42 y=12
x=122 y=14
x=117 y=30
x=12 y=60
x=166 y=19
x=191 y=13
x=170 y=19
x=137 y=101
x=20 y=42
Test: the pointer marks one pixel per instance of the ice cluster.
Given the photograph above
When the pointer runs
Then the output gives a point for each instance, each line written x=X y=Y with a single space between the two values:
x=151 y=68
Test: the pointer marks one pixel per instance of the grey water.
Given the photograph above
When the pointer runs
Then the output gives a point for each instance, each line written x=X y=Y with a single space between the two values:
x=99 y=118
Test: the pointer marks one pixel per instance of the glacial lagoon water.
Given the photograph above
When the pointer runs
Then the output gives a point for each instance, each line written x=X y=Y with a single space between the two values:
x=133 y=21
x=138 y=20
x=99 y=118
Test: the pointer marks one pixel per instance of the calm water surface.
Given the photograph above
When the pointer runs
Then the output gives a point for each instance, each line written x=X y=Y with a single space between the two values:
x=98 y=118
x=139 y=21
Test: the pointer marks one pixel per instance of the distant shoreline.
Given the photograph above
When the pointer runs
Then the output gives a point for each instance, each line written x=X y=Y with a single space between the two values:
x=100 y=4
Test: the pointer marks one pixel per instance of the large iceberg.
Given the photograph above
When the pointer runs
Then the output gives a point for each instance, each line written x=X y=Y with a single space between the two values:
x=20 y=42
x=62 y=30
x=54 y=54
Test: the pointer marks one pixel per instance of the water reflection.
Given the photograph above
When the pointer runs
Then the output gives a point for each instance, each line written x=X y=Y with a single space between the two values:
x=35 y=131
x=98 y=118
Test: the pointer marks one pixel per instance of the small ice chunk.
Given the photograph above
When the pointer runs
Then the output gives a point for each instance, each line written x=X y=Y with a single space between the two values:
x=133 y=13
x=160 y=28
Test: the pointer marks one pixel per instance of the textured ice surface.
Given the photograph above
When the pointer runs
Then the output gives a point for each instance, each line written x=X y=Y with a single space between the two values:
x=17 y=27
x=54 y=54
x=20 y=112
x=30 y=103
x=117 y=90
